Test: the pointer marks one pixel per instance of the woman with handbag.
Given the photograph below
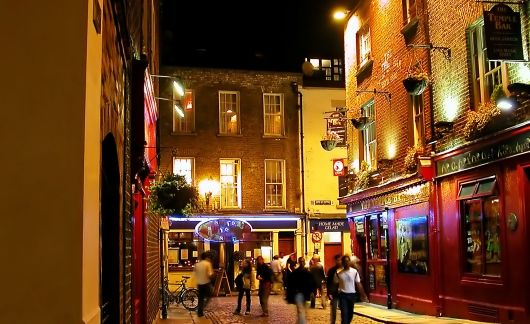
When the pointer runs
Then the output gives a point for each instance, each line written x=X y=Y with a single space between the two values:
x=244 y=282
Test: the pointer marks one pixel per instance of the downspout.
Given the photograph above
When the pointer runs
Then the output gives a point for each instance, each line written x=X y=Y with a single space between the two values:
x=294 y=86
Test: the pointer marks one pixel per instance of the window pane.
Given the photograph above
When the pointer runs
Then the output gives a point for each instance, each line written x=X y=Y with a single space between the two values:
x=228 y=111
x=473 y=236
x=273 y=114
x=230 y=186
x=486 y=186
x=184 y=113
x=383 y=240
x=183 y=167
x=492 y=236
x=373 y=248
x=466 y=190
x=274 y=186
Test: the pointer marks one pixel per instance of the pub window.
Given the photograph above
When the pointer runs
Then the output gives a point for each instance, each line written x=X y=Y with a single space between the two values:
x=183 y=112
x=229 y=112
x=416 y=103
x=377 y=237
x=363 y=44
x=273 y=114
x=369 y=138
x=184 y=167
x=274 y=183
x=184 y=249
x=230 y=183
x=480 y=210
x=485 y=75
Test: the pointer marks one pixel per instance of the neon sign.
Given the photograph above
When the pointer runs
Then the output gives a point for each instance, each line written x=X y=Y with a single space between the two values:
x=223 y=229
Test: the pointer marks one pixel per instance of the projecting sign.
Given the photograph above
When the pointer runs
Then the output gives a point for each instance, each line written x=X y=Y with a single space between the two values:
x=223 y=229
x=336 y=122
x=338 y=167
x=502 y=27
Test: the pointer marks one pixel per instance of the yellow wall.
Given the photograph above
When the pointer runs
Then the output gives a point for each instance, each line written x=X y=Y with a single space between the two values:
x=320 y=184
x=50 y=188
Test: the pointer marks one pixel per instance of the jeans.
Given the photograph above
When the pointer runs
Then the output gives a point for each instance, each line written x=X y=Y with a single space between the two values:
x=204 y=295
x=299 y=300
x=240 y=298
x=264 y=292
x=346 y=307
x=333 y=304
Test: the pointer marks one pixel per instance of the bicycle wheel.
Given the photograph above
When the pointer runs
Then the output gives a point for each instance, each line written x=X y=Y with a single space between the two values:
x=190 y=299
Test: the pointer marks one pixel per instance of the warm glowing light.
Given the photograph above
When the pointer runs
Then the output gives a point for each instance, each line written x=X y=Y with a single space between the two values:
x=505 y=104
x=208 y=186
x=391 y=151
x=179 y=88
x=179 y=111
x=450 y=107
x=413 y=191
x=340 y=14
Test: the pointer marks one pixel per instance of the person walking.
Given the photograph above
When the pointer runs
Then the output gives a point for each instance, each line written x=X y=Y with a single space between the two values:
x=203 y=273
x=332 y=287
x=299 y=288
x=264 y=275
x=349 y=284
x=317 y=271
x=244 y=282
x=277 y=282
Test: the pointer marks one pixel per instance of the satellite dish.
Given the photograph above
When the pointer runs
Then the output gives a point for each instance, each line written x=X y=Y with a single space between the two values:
x=307 y=68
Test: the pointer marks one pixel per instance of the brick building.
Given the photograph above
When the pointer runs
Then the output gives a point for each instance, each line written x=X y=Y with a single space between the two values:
x=238 y=131
x=482 y=180
x=390 y=126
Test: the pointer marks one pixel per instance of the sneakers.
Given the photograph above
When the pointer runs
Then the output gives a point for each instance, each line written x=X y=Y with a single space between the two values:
x=247 y=313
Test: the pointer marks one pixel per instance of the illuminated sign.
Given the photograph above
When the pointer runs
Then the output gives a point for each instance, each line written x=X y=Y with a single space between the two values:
x=223 y=229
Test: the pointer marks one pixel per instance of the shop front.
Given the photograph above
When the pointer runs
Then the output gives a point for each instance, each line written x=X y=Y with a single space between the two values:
x=483 y=202
x=230 y=239
x=390 y=229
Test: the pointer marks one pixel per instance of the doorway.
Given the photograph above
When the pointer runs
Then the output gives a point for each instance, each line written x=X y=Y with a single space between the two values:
x=330 y=251
x=110 y=233
x=225 y=252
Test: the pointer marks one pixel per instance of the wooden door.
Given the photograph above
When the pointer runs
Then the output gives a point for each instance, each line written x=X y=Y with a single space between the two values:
x=330 y=250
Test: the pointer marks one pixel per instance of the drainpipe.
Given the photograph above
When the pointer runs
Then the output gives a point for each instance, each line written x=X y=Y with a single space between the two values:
x=294 y=86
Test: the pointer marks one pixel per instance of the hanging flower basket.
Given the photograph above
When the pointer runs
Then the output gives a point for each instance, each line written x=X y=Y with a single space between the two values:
x=328 y=145
x=415 y=86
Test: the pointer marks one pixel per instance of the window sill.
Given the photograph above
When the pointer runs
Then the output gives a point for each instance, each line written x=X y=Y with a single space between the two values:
x=275 y=209
x=229 y=135
x=229 y=209
x=274 y=136
x=364 y=71
x=183 y=134
x=409 y=30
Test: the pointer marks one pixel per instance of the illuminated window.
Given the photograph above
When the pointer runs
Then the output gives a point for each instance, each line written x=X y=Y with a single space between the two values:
x=486 y=75
x=480 y=216
x=274 y=184
x=229 y=112
x=183 y=113
x=273 y=114
x=409 y=10
x=184 y=167
x=230 y=183
x=417 y=120
x=327 y=69
x=363 y=44
x=369 y=134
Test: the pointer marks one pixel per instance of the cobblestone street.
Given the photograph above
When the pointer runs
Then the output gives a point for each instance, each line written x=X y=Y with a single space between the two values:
x=220 y=310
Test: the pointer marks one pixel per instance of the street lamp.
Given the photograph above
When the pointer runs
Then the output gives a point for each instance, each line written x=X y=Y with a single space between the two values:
x=340 y=14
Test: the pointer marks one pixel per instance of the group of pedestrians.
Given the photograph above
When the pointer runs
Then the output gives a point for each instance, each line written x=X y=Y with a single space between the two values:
x=245 y=281
x=343 y=283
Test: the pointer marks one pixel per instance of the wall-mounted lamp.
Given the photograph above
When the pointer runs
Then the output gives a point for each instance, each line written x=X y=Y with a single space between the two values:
x=519 y=92
x=340 y=14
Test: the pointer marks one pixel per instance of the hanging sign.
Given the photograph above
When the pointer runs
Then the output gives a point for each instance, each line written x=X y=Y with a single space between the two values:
x=338 y=167
x=502 y=27
x=336 y=122
x=223 y=229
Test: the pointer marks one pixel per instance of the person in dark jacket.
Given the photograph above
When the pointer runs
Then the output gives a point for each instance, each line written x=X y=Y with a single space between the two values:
x=332 y=287
x=264 y=275
x=245 y=282
x=317 y=271
x=299 y=288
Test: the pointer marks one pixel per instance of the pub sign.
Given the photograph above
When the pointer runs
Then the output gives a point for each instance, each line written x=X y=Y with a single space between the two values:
x=502 y=27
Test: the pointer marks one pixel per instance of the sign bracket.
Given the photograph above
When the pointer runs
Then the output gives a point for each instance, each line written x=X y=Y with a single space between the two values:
x=446 y=51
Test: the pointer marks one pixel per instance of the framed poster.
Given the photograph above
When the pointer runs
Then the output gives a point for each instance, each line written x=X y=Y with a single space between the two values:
x=412 y=245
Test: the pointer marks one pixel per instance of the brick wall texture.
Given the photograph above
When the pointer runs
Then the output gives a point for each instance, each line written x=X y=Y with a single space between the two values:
x=391 y=61
x=448 y=22
x=207 y=147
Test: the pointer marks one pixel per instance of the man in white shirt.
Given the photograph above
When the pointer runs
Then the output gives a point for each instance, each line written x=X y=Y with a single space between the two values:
x=349 y=284
x=276 y=268
x=203 y=273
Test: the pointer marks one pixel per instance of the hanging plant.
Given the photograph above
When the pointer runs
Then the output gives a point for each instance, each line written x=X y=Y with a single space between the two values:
x=362 y=176
x=411 y=159
x=416 y=81
x=329 y=140
x=172 y=195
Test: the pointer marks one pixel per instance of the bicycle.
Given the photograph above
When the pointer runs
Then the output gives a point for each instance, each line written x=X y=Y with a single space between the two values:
x=189 y=297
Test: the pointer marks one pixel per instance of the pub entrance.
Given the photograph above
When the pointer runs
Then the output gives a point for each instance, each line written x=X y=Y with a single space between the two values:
x=224 y=259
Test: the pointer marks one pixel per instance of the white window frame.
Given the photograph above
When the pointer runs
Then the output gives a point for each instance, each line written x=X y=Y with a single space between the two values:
x=418 y=128
x=224 y=114
x=275 y=183
x=364 y=43
x=177 y=127
x=230 y=181
x=188 y=174
x=485 y=74
x=370 y=134
x=408 y=9
x=269 y=113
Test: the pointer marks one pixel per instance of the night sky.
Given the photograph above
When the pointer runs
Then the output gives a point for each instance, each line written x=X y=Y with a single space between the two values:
x=268 y=35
